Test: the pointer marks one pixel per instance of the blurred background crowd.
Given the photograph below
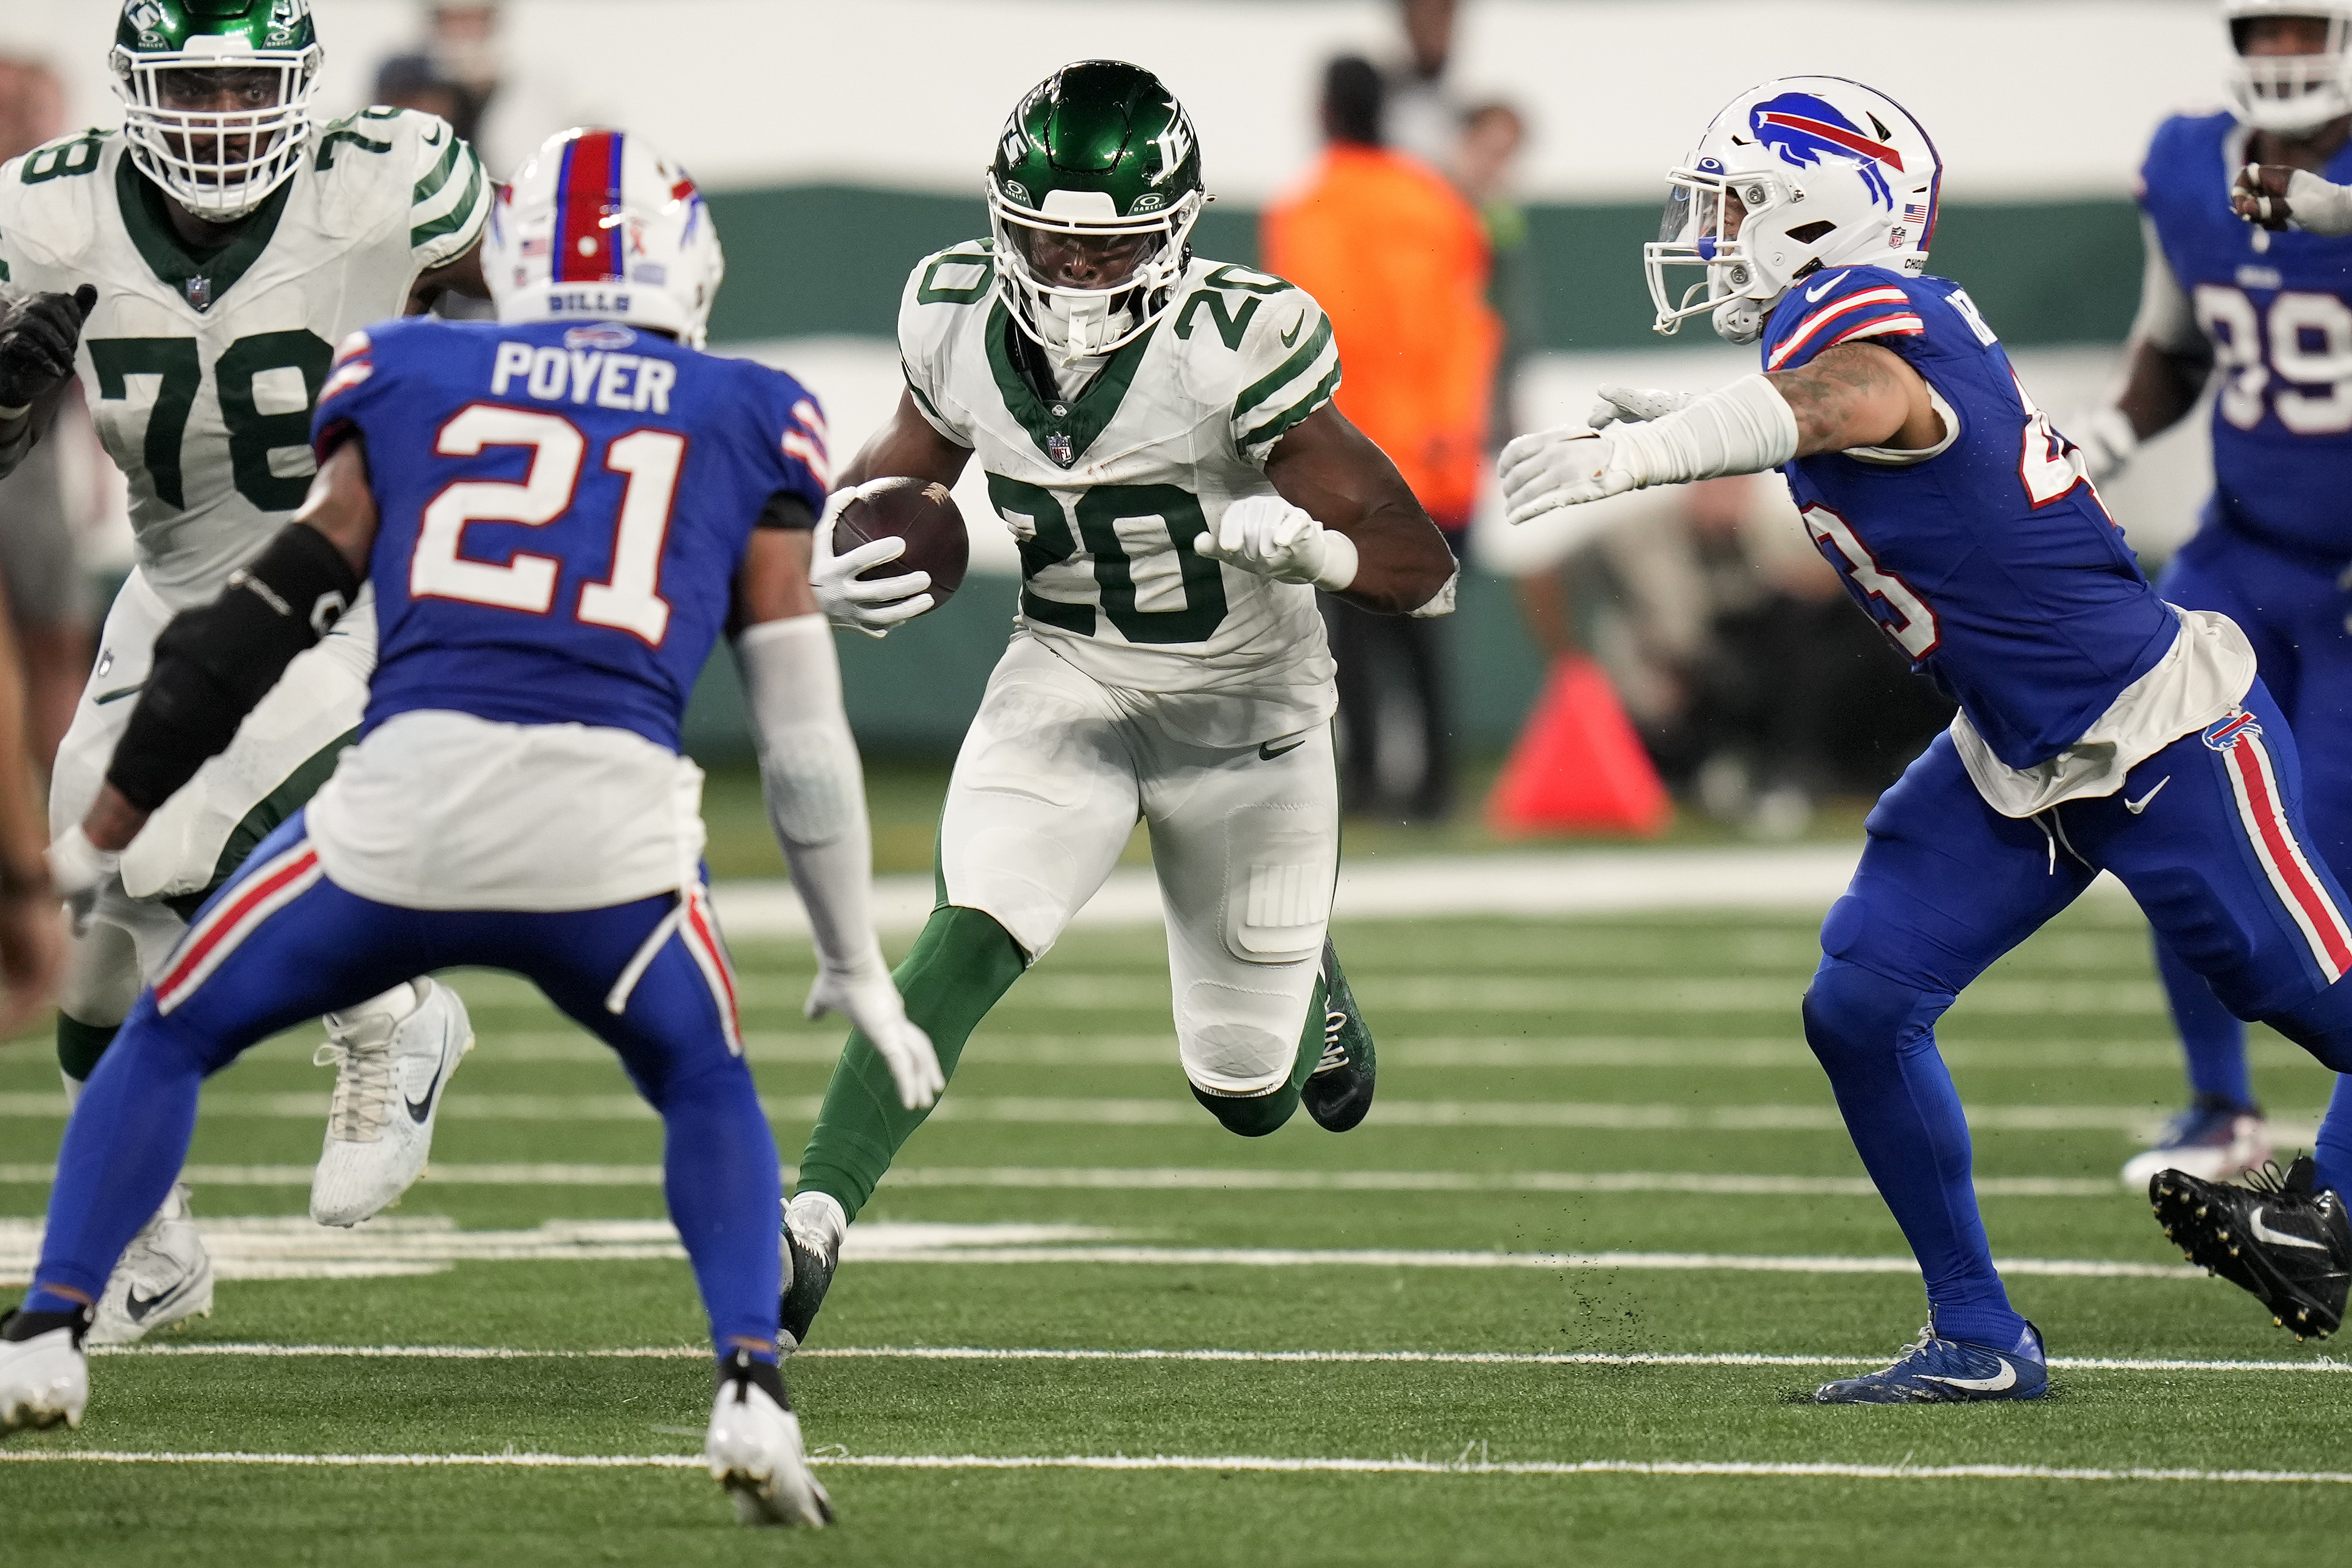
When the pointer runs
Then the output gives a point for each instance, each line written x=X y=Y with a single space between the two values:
x=1477 y=289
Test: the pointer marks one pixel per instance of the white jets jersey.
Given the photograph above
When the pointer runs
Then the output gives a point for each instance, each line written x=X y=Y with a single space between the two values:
x=1107 y=490
x=201 y=367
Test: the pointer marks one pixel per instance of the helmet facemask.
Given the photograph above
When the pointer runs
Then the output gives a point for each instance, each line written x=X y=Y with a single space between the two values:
x=1704 y=201
x=2291 y=95
x=1079 y=279
x=218 y=125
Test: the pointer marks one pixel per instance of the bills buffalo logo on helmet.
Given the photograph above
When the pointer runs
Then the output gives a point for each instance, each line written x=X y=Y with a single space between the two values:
x=1803 y=129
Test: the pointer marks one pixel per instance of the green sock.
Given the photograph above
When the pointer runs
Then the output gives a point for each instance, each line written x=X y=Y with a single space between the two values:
x=961 y=965
x=1262 y=1113
x=80 y=1045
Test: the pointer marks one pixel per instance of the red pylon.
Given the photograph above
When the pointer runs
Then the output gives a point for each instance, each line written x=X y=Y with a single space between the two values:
x=1578 y=766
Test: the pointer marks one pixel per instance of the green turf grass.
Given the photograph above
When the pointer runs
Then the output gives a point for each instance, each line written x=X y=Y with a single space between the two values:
x=2072 y=1020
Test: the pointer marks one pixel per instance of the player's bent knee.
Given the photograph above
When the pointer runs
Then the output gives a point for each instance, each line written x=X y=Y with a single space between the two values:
x=2322 y=1025
x=1854 y=1014
x=1253 y=1116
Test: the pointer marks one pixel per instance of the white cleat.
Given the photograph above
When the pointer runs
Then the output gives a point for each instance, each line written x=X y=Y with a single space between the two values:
x=392 y=1063
x=2211 y=1140
x=44 y=1381
x=162 y=1277
x=754 y=1451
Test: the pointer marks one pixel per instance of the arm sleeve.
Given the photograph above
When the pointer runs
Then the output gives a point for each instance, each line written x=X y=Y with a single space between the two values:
x=450 y=200
x=1290 y=368
x=2165 y=318
x=813 y=783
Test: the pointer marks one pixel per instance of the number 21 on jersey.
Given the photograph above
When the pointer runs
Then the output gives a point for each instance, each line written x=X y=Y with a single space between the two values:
x=626 y=599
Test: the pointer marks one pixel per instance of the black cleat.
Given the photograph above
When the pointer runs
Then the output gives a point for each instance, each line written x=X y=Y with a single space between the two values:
x=2276 y=1237
x=808 y=1272
x=1339 y=1093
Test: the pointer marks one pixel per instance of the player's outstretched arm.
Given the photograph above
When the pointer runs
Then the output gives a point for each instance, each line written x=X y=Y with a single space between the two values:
x=213 y=664
x=1856 y=395
x=1342 y=519
x=815 y=792
x=909 y=446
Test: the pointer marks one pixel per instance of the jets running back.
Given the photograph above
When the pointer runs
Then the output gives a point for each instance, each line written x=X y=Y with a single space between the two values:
x=1157 y=432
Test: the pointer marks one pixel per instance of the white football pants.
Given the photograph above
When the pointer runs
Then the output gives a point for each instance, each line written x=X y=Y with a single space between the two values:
x=321 y=698
x=1052 y=778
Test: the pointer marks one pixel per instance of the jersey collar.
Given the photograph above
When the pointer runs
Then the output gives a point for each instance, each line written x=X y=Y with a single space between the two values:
x=1065 y=428
x=200 y=280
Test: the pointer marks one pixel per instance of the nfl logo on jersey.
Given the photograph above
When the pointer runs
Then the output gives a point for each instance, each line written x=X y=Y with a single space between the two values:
x=1057 y=446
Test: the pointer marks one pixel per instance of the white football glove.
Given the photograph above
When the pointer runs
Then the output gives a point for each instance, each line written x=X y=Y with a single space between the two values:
x=870 y=607
x=870 y=1001
x=78 y=869
x=1635 y=404
x=1565 y=467
x=1269 y=536
x=2108 y=441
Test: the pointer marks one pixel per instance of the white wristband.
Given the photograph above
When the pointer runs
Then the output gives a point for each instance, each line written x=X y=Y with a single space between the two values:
x=2318 y=206
x=1340 y=561
x=1743 y=428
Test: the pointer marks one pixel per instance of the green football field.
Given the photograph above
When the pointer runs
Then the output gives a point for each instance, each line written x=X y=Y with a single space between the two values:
x=1558 y=1301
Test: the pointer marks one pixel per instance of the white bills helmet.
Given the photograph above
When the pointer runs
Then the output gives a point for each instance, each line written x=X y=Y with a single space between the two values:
x=216 y=97
x=599 y=227
x=1823 y=172
x=2290 y=94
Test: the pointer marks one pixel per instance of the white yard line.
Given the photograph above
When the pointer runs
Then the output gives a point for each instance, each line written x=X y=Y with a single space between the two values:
x=985 y=1353
x=1802 y=880
x=1170 y=1178
x=293 y=1248
x=1140 y=1111
x=1385 y=994
x=1224 y=1462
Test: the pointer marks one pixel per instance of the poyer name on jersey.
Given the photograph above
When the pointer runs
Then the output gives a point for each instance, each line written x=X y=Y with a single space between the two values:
x=628 y=382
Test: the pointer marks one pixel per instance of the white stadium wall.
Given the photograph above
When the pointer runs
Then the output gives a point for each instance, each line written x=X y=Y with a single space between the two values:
x=842 y=141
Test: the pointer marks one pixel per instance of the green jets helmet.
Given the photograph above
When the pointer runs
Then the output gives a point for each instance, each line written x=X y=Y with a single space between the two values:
x=216 y=97
x=1092 y=198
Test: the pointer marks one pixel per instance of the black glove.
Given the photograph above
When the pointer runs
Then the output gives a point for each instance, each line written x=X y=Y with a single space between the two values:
x=37 y=337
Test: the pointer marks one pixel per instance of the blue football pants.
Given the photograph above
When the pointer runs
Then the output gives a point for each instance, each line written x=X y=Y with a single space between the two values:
x=282 y=944
x=1947 y=884
x=2297 y=609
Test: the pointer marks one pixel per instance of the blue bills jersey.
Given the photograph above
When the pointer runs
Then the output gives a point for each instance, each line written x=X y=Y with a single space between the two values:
x=2277 y=310
x=562 y=511
x=1988 y=560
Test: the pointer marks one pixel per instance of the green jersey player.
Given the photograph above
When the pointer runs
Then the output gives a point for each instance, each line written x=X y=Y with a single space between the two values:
x=231 y=243
x=1157 y=431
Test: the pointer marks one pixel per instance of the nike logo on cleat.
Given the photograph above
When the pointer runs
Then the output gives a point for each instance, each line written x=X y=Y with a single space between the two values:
x=1267 y=750
x=2136 y=806
x=2264 y=1232
x=419 y=1109
x=2006 y=1381
x=142 y=1308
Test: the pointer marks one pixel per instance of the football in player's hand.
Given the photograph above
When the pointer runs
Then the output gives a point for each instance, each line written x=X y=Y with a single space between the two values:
x=925 y=515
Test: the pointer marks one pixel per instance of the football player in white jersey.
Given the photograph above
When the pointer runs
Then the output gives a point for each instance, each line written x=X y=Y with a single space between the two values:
x=1157 y=431
x=230 y=243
